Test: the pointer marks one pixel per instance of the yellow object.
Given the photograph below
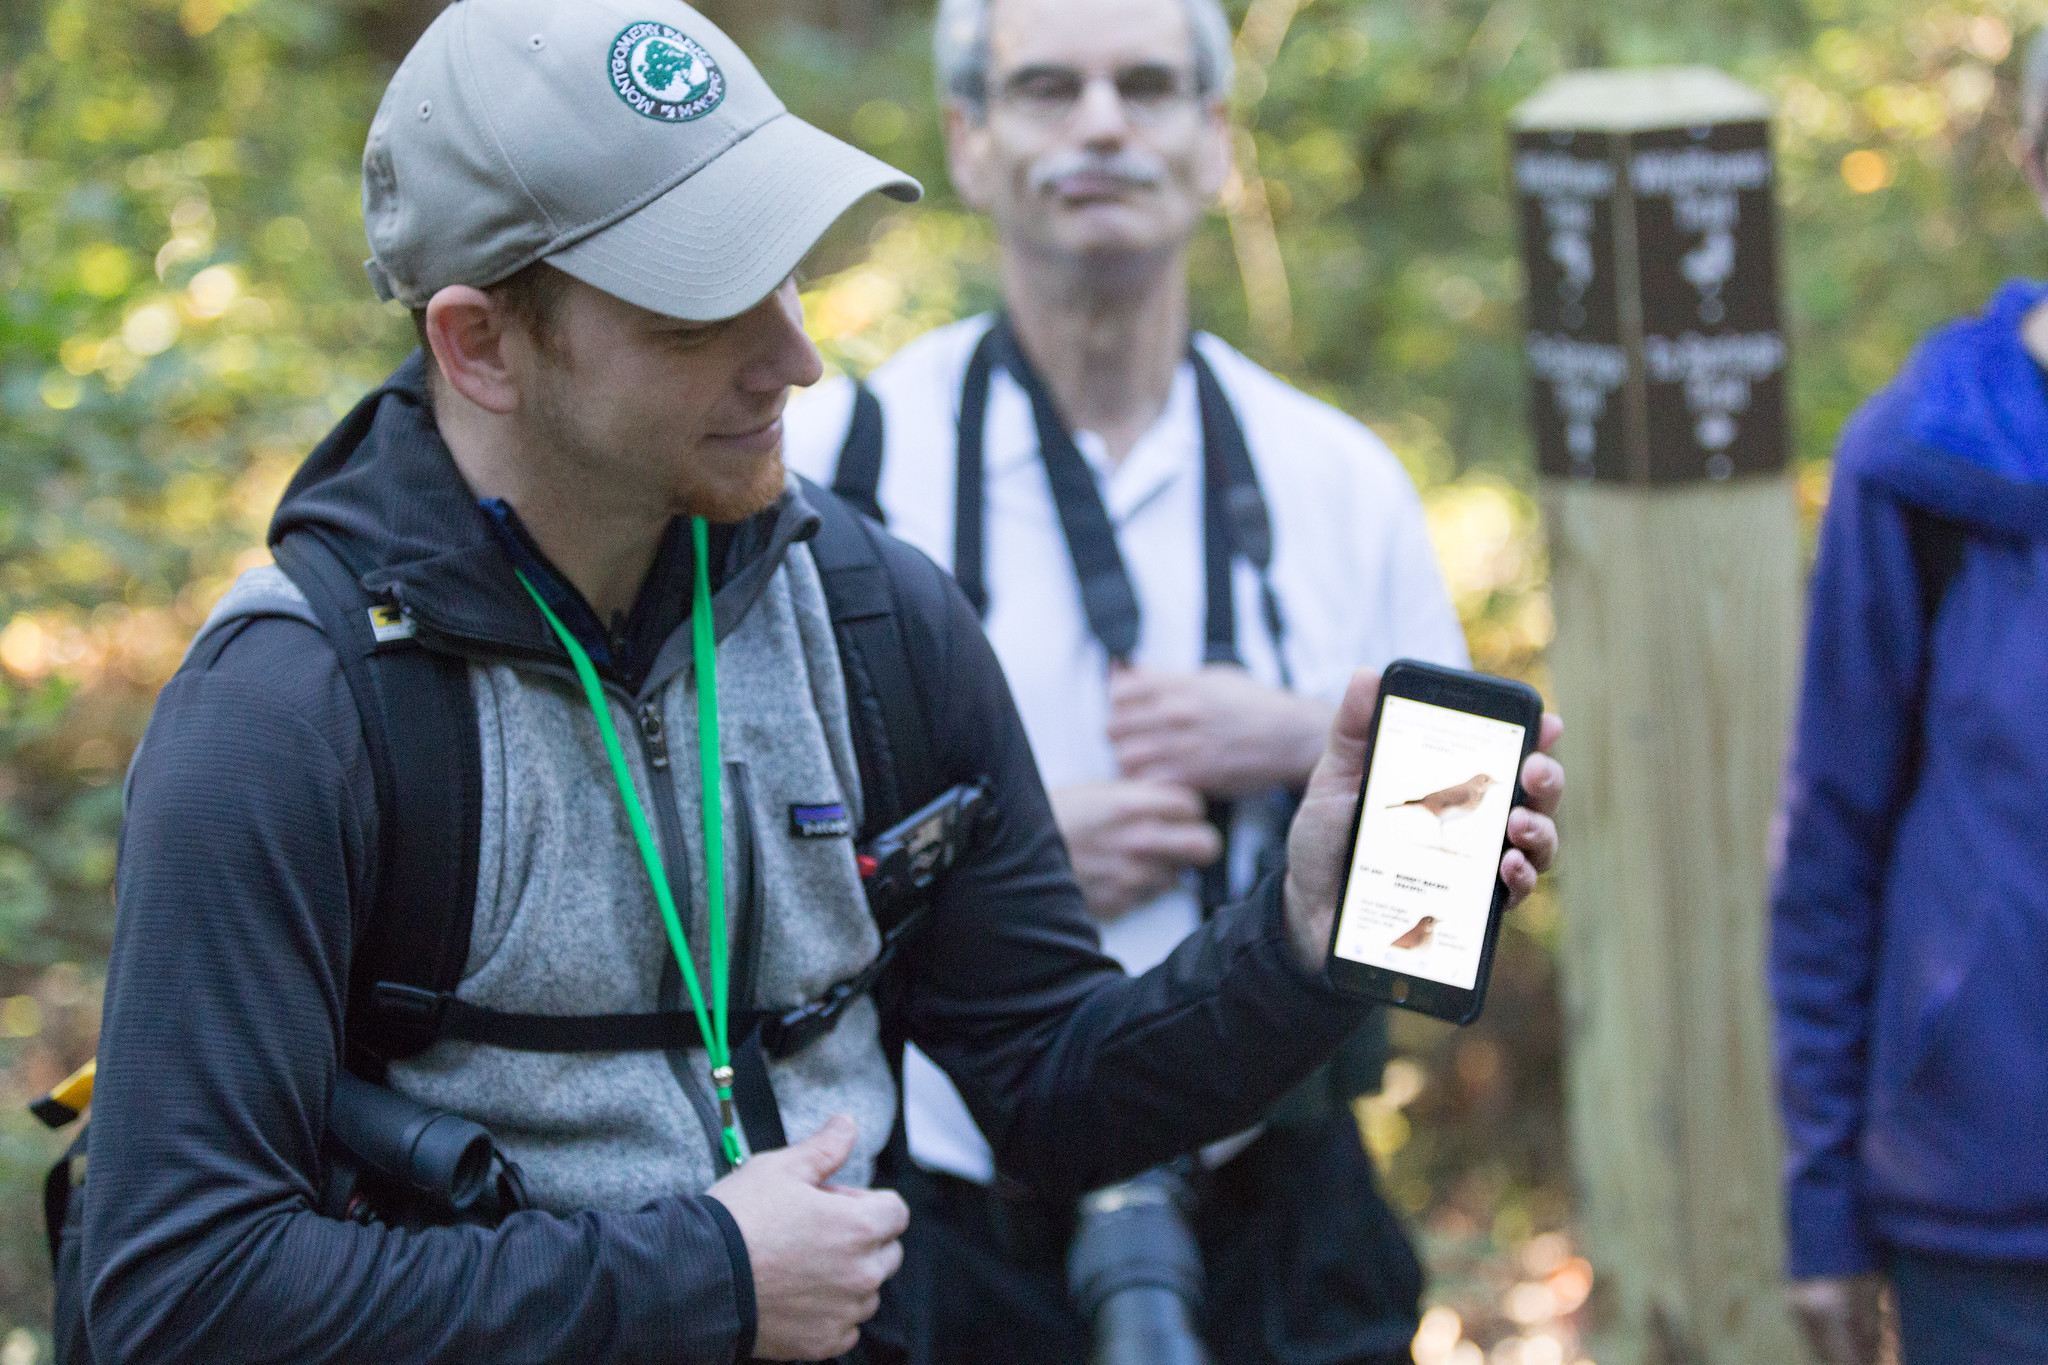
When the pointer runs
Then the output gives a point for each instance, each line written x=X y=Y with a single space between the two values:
x=1865 y=171
x=68 y=1098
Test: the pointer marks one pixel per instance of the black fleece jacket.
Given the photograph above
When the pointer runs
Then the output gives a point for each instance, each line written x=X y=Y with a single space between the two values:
x=251 y=826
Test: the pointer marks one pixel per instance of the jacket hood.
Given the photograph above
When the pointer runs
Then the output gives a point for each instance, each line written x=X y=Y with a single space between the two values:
x=384 y=491
x=1963 y=430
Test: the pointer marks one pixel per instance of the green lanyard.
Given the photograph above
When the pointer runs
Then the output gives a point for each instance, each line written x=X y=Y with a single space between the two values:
x=711 y=1016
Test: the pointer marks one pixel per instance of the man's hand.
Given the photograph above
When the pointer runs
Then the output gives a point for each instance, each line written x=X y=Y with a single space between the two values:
x=1130 y=841
x=1216 y=730
x=1316 y=852
x=1842 y=1317
x=820 y=1252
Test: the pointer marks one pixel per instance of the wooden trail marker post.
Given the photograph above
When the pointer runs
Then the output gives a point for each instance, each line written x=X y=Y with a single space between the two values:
x=1657 y=372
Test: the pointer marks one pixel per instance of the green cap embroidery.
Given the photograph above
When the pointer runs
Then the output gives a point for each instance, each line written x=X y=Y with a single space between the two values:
x=662 y=74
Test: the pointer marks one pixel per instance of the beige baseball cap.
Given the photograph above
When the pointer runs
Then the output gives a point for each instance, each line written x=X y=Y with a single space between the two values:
x=627 y=142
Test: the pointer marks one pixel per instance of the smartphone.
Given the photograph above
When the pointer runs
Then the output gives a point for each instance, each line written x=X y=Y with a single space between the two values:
x=1423 y=898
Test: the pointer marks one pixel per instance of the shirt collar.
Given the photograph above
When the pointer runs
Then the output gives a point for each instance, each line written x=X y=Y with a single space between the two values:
x=626 y=649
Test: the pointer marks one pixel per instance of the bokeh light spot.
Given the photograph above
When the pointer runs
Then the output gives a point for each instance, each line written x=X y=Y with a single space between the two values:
x=1866 y=171
x=60 y=392
x=104 y=270
x=21 y=1016
x=201 y=17
x=878 y=122
x=212 y=290
x=151 y=329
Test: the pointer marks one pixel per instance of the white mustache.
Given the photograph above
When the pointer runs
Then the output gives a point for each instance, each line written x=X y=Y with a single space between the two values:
x=1137 y=170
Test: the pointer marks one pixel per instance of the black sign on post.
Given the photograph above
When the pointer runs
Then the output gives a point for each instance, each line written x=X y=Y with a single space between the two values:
x=1649 y=242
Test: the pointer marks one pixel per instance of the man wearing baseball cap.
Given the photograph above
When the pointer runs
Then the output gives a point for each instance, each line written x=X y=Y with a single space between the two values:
x=572 y=503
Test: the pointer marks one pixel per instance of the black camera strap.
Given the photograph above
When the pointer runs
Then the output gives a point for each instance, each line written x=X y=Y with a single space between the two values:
x=1108 y=597
x=1235 y=523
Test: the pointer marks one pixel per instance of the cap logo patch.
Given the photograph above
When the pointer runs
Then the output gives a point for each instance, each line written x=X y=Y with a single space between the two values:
x=664 y=75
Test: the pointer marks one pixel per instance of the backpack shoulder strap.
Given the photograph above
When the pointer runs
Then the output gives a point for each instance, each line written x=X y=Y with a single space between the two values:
x=892 y=729
x=858 y=475
x=420 y=728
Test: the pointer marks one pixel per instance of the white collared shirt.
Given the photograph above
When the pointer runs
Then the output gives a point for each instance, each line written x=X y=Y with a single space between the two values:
x=1352 y=567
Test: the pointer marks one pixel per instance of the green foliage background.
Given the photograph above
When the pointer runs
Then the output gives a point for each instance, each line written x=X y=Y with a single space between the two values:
x=185 y=313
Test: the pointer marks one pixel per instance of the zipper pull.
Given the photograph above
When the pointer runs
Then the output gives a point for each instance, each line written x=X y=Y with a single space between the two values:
x=656 y=738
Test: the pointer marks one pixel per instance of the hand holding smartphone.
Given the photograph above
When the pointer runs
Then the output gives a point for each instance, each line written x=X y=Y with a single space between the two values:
x=1423 y=896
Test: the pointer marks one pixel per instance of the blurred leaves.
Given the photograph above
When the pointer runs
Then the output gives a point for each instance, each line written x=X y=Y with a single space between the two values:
x=185 y=314
x=179 y=241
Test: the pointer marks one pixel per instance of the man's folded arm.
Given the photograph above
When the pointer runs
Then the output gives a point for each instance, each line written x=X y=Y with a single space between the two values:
x=1078 y=1074
x=250 y=828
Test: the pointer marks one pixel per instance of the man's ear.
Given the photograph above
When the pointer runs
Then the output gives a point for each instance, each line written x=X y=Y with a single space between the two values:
x=468 y=331
x=968 y=155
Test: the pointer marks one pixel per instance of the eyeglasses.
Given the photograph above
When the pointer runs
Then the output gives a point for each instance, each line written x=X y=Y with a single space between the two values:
x=1150 y=92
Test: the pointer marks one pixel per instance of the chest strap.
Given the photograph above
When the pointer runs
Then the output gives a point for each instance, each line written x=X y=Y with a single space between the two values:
x=784 y=1033
x=898 y=866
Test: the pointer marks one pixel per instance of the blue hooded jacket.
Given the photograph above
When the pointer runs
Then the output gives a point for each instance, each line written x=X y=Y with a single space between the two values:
x=1909 y=953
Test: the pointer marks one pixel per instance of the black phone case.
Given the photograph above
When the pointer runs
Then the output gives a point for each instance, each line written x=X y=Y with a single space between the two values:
x=1517 y=701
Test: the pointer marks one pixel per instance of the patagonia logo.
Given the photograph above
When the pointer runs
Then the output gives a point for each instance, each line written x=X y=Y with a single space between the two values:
x=819 y=822
x=390 y=623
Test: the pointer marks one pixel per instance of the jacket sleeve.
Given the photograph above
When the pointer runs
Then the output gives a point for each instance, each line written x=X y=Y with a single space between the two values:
x=243 y=862
x=1078 y=1074
x=1845 y=786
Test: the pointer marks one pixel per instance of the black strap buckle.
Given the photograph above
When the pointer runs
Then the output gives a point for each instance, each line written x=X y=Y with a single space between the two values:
x=785 y=1035
x=411 y=1007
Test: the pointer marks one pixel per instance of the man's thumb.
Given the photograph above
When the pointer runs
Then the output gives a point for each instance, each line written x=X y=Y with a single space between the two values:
x=821 y=1154
x=1353 y=725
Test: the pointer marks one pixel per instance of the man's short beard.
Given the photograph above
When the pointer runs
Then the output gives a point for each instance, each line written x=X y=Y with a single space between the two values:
x=555 y=426
x=756 y=496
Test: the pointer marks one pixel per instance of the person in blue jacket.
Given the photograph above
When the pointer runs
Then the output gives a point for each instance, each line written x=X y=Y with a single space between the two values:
x=1909 y=954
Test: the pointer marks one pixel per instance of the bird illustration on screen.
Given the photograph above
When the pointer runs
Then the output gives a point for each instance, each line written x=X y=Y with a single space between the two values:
x=1452 y=803
x=1418 y=937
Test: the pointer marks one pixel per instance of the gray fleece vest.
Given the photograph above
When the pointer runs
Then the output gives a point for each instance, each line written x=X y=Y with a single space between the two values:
x=566 y=922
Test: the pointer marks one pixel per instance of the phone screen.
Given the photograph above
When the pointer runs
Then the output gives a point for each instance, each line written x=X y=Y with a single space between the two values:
x=1429 y=842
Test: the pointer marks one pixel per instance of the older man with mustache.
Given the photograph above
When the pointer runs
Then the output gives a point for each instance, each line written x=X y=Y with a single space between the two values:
x=1180 y=560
